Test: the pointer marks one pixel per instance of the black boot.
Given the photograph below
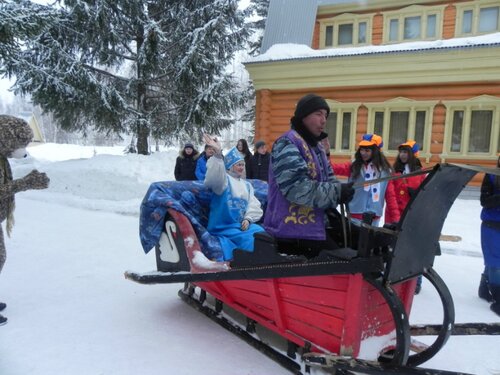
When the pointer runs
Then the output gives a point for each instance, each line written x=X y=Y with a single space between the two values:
x=2 y=306
x=484 y=292
x=495 y=292
x=3 y=320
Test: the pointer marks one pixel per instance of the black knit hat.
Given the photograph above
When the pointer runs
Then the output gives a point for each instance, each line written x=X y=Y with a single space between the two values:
x=308 y=104
x=189 y=145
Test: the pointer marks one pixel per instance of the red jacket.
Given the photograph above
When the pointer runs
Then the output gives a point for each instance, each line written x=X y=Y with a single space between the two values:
x=402 y=195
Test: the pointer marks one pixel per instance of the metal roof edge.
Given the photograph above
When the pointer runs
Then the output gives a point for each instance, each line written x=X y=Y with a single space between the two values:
x=402 y=51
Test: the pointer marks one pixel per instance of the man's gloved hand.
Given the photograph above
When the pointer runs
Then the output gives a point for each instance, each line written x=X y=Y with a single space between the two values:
x=346 y=192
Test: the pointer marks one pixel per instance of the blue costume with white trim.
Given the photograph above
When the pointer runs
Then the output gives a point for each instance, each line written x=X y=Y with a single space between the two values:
x=233 y=201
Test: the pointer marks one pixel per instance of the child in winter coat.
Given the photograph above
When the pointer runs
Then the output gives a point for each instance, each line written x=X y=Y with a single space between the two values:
x=370 y=164
x=185 y=165
x=234 y=209
x=201 y=164
x=405 y=188
x=489 y=288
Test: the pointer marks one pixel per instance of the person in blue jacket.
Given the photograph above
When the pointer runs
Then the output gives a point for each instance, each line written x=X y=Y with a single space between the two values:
x=489 y=288
x=201 y=164
x=234 y=209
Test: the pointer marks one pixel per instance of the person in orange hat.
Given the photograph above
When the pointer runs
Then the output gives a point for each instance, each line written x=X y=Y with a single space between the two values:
x=405 y=188
x=369 y=164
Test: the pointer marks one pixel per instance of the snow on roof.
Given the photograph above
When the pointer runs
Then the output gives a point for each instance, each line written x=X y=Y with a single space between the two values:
x=279 y=52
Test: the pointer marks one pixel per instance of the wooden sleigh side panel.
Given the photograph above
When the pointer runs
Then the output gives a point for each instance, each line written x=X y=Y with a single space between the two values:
x=333 y=314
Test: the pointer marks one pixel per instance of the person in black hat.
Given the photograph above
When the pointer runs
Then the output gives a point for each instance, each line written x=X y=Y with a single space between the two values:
x=302 y=186
x=185 y=164
x=259 y=162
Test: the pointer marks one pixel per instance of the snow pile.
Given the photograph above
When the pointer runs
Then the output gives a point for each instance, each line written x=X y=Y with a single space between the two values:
x=98 y=178
x=287 y=51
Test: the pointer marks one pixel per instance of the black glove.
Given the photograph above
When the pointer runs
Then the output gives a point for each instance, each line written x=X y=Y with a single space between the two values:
x=346 y=192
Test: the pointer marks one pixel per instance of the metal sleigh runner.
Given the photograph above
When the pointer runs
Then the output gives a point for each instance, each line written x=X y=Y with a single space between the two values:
x=345 y=310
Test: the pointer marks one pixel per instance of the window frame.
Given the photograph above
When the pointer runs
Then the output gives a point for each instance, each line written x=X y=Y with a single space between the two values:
x=421 y=11
x=340 y=109
x=480 y=103
x=475 y=7
x=402 y=104
x=345 y=19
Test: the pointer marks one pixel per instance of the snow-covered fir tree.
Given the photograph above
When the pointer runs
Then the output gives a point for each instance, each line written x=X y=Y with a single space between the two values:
x=259 y=10
x=155 y=67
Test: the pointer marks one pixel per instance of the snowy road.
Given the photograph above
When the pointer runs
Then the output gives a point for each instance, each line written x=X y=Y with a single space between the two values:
x=71 y=311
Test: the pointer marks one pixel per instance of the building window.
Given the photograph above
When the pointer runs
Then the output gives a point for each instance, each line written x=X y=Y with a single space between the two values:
x=341 y=127
x=394 y=31
x=431 y=26
x=399 y=120
x=329 y=36
x=480 y=131
x=346 y=130
x=362 y=33
x=378 y=127
x=412 y=28
x=345 y=34
x=479 y=18
x=488 y=19
x=345 y=30
x=467 y=22
x=420 y=127
x=398 y=128
x=456 y=132
x=472 y=127
x=415 y=22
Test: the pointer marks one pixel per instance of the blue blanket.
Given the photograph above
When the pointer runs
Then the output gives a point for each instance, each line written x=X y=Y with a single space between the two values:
x=192 y=199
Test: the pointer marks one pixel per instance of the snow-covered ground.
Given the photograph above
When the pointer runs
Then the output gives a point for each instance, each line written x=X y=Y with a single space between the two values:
x=72 y=312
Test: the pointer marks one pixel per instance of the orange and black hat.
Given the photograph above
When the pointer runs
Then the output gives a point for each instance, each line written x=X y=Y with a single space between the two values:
x=370 y=140
x=412 y=145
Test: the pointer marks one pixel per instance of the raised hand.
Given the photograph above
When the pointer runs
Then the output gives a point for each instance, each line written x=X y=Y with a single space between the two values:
x=212 y=142
x=36 y=180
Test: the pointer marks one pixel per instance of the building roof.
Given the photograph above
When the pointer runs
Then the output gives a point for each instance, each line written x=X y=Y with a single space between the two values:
x=289 y=51
x=289 y=21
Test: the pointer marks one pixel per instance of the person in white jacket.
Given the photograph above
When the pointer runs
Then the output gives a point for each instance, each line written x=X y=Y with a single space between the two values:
x=234 y=209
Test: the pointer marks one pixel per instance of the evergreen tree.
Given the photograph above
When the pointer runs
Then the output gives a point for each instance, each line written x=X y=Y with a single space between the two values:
x=151 y=67
x=259 y=9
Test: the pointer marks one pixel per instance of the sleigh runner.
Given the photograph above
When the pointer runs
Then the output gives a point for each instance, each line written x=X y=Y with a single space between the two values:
x=351 y=303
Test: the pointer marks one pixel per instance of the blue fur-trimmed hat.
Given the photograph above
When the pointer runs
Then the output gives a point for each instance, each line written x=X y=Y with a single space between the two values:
x=232 y=157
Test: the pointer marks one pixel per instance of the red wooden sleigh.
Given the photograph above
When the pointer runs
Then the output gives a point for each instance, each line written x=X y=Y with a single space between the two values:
x=346 y=309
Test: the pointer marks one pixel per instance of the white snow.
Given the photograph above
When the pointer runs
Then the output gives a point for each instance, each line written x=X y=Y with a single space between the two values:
x=72 y=312
x=286 y=51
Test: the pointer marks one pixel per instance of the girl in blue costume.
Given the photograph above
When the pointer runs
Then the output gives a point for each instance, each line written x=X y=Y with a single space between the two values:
x=234 y=209
x=489 y=288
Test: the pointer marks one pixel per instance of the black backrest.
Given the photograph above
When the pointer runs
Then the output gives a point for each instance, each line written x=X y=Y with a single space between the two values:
x=423 y=219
